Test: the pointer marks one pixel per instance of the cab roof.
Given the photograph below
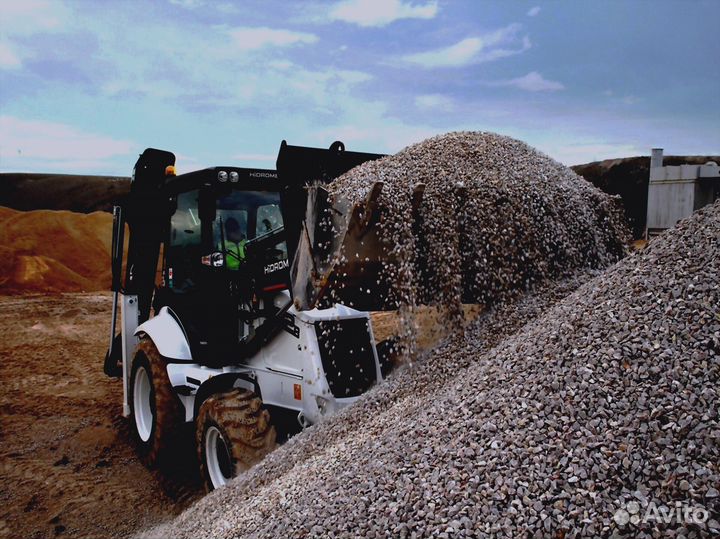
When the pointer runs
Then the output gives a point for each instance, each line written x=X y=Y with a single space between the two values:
x=244 y=179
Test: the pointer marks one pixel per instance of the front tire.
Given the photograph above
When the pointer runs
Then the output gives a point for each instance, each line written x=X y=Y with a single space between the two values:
x=233 y=433
x=156 y=415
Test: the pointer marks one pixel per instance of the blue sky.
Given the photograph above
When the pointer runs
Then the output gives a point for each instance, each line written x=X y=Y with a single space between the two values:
x=86 y=85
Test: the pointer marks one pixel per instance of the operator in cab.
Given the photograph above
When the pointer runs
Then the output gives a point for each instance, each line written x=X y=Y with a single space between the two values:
x=234 y=246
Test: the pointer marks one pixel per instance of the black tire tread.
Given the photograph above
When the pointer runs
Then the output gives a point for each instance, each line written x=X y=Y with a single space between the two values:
x=243 y=422
x=168 y=410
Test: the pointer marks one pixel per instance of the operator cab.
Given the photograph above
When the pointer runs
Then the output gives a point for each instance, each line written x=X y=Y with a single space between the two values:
x=225 y=256
x=226 y=238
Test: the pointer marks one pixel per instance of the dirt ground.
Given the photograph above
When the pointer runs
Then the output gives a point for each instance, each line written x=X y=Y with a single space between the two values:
x=68 y=466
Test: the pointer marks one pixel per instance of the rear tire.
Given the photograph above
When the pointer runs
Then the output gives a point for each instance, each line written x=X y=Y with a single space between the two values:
x=156 y=413
x=233 y=433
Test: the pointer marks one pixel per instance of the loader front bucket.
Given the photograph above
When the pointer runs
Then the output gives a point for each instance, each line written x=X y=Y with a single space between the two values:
x=334 y=246
x=339 y=252
x=343 y=255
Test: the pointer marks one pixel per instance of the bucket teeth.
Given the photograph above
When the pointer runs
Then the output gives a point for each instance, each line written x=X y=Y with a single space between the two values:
x=364 y=212
x=417 y=196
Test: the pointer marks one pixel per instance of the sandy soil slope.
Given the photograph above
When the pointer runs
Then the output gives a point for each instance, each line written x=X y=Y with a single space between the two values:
x=68 y=468
x=54 y=251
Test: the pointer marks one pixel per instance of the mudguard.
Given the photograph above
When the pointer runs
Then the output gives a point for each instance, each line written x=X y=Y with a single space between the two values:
x=167 y=334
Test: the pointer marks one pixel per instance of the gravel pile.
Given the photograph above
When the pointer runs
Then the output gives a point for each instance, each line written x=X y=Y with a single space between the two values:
x=562 y=414
x=496 y=217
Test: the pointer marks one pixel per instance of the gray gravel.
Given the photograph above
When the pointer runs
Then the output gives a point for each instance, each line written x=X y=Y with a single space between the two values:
x=592 y=394
x=496 y=218
x=505 y=213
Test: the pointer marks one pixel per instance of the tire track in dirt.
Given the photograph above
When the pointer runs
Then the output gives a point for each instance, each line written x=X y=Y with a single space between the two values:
x=67 y=465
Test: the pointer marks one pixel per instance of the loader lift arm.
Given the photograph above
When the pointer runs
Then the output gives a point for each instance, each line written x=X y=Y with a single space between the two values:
x=146 y=211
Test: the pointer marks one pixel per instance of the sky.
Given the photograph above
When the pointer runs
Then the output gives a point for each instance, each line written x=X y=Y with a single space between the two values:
x=86 y=85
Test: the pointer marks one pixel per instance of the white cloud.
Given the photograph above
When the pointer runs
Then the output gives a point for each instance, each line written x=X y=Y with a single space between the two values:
x=624 y=100
x=227 y=67
x=32 y=16
x=187 y=4
x=532 y=82
x=60 y=146
x=434 y=102
x=461 y=53
x=8 y=58
x=247 y=38
x=280 y=64
x=532 y=12
x=227 y=8
x=323 y=89
x=26 y=18
x=380 y=13
x=353 y=77
x=496 y=54
x=472 y=50
x=206 y=72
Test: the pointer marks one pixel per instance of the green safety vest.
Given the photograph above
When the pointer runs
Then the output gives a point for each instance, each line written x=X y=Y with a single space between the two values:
x=238 y=249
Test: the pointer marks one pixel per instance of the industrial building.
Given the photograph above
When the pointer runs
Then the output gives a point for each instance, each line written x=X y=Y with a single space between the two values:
x=675 y=192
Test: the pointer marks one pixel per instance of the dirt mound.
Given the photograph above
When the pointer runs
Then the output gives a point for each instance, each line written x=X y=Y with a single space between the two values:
x=575 y=424
x=54 y=251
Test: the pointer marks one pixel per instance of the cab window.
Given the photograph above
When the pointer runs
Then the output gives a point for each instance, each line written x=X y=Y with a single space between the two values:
x=184 y=246
x=185 y=222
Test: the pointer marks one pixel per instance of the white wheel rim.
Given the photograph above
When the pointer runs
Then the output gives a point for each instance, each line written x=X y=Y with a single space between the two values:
x=217 y=457
x=141 y=404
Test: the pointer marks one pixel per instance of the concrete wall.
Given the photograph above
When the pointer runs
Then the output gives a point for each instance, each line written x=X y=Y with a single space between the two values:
x=669 y=201
x=675 y=192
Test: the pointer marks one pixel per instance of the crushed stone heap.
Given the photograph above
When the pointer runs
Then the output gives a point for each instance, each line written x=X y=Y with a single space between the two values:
x=495 y=217
x=551 y=416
